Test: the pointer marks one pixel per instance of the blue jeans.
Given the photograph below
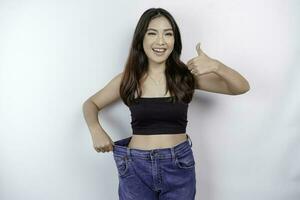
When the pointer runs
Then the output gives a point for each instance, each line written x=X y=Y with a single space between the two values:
x=156 y=174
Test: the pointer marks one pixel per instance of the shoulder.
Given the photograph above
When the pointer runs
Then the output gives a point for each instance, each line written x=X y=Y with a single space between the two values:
x=109 y=93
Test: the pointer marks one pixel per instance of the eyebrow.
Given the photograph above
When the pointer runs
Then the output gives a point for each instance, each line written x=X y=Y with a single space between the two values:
x=156 y=30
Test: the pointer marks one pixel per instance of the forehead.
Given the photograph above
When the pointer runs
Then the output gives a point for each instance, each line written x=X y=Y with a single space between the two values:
x=160 y=23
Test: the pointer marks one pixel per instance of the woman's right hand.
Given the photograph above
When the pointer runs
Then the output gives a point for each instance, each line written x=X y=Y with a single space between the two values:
x=102 y=142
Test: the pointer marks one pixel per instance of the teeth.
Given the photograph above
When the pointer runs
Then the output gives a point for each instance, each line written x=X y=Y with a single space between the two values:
x=159 y=50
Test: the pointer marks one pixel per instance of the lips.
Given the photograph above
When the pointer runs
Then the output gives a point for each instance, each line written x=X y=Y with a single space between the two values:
x=159 y=50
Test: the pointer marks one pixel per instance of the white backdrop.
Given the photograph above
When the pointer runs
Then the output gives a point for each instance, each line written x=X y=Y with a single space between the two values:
x=56 y=54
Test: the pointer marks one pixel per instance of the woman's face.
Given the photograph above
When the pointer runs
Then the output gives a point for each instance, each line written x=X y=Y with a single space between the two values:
x=159 y=36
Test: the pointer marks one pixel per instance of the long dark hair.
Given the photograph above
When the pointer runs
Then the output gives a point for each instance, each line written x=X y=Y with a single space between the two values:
x=179 y=80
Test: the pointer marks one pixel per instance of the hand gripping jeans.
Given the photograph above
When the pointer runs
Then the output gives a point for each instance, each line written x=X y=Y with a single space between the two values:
x=156 y=174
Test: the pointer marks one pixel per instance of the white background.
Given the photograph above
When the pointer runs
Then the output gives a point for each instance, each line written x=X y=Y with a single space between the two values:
x=56 y=54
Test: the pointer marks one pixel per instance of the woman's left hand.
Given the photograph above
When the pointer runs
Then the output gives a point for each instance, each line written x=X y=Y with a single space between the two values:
x=202 y=64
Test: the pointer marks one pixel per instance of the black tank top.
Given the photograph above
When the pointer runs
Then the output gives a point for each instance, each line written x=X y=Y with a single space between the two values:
x=158 y=115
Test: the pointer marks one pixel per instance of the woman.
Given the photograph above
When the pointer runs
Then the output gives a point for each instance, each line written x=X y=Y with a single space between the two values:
x=157 y=161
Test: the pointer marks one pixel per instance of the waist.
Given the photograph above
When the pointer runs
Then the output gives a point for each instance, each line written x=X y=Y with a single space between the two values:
x=158 y=130
x=121 y=149
x=157 y=141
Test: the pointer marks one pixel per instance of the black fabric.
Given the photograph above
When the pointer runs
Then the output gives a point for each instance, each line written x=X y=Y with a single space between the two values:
x=158 y=115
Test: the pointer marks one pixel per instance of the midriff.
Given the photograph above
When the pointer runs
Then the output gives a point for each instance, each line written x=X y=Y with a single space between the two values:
x=148 y=142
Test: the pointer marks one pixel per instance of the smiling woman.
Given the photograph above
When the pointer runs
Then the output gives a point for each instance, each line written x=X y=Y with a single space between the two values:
x=157 y=161
x=155 y=59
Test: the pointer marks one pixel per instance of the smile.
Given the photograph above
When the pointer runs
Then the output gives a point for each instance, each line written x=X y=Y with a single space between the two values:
x=159 y=51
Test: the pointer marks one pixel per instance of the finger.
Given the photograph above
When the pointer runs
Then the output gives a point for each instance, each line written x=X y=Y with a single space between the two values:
x=105 y=149
x=108 y=148
x=99 y=149
x=111 y=148
x=193 y=70
x=199 y=50
x=191 y=67
x=192 y=61
x=189 y=62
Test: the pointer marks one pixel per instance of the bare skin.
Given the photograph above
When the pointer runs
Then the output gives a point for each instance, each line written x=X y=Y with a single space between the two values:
x=156 y=141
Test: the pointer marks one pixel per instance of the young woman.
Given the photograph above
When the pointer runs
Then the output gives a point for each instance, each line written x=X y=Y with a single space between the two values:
x=157 y=161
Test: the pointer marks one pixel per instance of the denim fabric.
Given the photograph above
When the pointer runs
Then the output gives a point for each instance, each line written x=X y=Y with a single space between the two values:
x=156 y=174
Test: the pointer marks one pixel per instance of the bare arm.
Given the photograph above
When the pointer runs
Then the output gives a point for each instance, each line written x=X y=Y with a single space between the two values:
x=223 y=79
x=93 y=105
x=90 y=112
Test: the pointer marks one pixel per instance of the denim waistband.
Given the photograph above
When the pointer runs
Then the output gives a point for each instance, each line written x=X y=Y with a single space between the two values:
x=121 y=148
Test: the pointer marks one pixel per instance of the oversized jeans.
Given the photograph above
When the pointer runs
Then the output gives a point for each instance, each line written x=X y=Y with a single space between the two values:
x=156 y=174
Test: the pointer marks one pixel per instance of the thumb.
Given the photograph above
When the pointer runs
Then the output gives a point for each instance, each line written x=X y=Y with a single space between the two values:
x=199 y=50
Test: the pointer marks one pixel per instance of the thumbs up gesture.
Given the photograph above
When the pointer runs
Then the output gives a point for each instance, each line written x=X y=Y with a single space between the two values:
x=202 y=64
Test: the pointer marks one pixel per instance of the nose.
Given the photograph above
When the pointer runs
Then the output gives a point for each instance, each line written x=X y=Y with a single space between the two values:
x=161 y=40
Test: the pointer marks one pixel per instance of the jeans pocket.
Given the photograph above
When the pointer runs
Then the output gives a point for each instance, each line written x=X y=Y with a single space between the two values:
x=185 y=160
x=122 y=165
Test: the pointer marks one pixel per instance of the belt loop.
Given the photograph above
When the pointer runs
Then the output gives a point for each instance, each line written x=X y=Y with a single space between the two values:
x=189 y=139
x=151 y=153
x=128 y=154
x=173 y=153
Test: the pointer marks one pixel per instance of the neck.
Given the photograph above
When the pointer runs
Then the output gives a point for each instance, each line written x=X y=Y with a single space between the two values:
x=156 y=68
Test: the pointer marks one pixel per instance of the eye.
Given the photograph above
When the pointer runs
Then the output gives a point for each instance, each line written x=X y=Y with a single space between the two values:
x=152 y=33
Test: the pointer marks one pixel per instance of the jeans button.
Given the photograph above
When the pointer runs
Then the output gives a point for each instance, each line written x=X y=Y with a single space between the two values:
x=153 y=153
